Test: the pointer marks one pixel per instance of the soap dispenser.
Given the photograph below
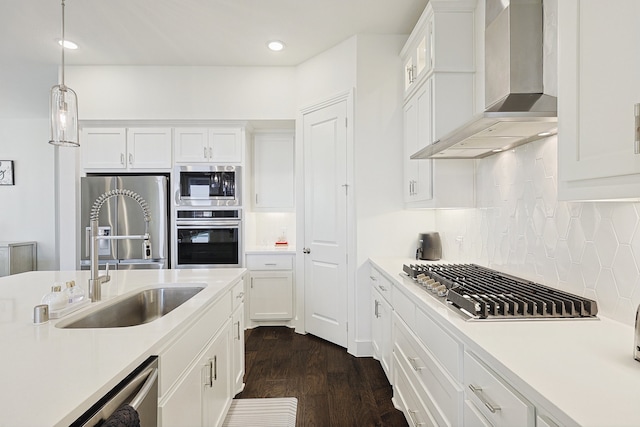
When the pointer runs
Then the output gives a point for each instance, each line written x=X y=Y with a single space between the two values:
x=73 y=292
x=56 y=299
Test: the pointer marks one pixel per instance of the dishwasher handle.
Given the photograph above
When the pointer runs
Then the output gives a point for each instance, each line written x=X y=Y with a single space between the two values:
x=146 y=388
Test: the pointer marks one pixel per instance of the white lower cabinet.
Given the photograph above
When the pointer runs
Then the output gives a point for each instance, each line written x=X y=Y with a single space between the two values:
x=437 y=378
x=381 y=331
x=199 y=370
x=544 y=421
x=270 y=287
x=473 y=417
x=494 y=398
x=237 y=339
x=441 y=395
x=406 y=396
x=381 y=320
x=201 y=396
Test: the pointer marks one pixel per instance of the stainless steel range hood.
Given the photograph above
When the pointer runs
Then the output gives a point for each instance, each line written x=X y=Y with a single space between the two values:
x=517 y=110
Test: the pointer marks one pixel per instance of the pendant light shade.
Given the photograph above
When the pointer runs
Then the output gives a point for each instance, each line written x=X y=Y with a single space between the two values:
x=64 y=116
x=63 y=107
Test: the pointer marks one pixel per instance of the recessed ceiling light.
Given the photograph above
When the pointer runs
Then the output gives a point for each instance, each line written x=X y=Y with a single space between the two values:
x=68 y=44
x=275 y=45
x=548 y=133
x=497 y=150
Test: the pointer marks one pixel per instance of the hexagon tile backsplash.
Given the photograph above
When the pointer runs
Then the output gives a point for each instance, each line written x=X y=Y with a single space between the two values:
x=520 y=227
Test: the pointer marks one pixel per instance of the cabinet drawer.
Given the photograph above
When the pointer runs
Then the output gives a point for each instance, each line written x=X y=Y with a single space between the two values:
x=473 y=417
x=495 y=399
x=441 y=394
x=404 y=393
x=237 y=294
x=269 y=262
x=381 y=283
x=444 y=347
x=404 y=307
x=186 y=348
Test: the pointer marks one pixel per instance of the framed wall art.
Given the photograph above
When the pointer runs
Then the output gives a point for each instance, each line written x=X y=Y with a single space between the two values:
x=6 y=172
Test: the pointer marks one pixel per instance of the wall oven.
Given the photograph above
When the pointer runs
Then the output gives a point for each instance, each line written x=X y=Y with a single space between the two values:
x=207 y=185
x=206 y=238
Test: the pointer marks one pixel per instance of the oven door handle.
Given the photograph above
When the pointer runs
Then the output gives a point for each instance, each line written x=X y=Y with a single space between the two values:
x=207 y=224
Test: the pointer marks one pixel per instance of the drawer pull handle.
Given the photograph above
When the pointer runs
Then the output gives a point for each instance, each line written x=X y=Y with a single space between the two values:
x=478 y=392
x=373 y=278
x=271 y=264
x=377 y=309
x=414 y=365
x=637 y=139
x=240 y=295
x=414 y=420
x=382 y=288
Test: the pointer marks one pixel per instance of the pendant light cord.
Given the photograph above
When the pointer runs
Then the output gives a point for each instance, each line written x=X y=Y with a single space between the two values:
x=63 y=40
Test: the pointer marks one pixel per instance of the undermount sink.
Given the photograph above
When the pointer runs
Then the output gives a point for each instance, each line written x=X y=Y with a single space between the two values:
x=137 y=309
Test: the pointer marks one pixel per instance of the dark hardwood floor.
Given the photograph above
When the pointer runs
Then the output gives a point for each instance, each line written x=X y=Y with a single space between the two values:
x=333 y=388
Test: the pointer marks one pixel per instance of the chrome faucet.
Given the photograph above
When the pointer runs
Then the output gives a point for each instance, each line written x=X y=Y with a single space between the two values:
x=95 y=282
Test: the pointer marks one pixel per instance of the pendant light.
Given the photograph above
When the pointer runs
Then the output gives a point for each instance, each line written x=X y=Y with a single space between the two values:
x=63 y=107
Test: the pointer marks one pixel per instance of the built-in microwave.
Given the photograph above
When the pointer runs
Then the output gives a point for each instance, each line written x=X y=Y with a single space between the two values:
x=208 y=185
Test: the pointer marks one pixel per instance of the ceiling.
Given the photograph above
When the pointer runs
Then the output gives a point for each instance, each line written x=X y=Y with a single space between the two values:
x=193 y=32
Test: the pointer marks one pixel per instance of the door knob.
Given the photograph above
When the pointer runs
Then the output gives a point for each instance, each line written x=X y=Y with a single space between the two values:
x=306 y=251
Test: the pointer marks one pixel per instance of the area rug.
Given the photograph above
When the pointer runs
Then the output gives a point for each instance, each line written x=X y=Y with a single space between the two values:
x=267 y=412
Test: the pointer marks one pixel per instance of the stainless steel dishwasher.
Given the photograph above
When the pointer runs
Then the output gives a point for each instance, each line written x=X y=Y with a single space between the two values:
x=139 y=390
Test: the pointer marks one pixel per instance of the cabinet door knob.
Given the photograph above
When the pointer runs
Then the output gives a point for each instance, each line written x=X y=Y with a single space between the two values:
x=306 y=251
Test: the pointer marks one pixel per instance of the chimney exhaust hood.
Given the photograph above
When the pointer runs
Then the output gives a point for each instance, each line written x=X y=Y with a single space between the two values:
x=517 y=110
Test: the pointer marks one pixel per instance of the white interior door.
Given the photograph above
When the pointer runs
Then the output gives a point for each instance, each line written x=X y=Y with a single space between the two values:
x=325 y=179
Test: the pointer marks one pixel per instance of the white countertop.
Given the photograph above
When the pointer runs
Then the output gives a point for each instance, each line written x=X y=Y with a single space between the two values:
x=270 y=250
x=583 y=370
x=50 y=376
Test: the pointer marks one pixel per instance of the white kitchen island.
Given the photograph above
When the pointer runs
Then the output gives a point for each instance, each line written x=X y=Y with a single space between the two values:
x=50 y=376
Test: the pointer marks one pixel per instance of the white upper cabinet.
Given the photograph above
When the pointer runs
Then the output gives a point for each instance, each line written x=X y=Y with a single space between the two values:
x=128 y=149
x=442 y=41
x=439 y=94
x=191 y=145
x=418 y=133
x=211 y=145
x=104 y=148
x=598 y=88
x=273 y=171
x=149 y=148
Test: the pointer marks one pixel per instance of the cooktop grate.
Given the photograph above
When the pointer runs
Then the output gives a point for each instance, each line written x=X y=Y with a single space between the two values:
x=485 y=293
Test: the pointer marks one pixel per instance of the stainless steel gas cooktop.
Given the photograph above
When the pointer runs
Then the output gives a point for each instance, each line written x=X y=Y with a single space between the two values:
x=483 y=293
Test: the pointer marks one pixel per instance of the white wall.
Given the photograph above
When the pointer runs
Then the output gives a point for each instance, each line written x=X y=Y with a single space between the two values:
x=384 y=227
x=27 y=209
x=327 y=74
x=183 y=93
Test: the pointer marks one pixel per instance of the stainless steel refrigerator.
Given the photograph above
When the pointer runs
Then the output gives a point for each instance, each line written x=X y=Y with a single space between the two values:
x=121 y=215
